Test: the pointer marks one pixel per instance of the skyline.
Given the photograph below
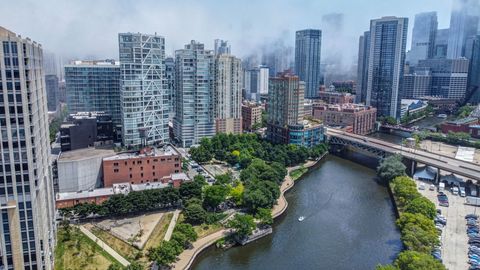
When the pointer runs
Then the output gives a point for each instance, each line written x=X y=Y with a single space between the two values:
x=78 y=36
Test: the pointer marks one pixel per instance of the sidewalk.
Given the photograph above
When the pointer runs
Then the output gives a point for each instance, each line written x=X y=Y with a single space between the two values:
x=104 y=246
x=171 y=226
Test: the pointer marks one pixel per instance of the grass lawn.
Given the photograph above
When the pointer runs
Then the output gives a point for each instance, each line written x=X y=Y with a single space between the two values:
x=79 y=252
x=297 y=173
x=205 y=229
x=159 y=231
x=126 y=250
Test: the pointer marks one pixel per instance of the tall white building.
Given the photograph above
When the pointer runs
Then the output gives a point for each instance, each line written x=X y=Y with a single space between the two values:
x=144 y=94
x=228 y=94
x=26 y=188
x=194 y=115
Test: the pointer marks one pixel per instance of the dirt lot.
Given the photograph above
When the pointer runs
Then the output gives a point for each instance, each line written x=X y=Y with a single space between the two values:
x=445 y=149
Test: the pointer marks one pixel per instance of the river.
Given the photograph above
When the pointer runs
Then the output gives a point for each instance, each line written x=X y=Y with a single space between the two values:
x=349 y=224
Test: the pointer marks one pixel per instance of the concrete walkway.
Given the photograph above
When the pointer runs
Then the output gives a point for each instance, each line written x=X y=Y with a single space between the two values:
x=171 y=226
x=104 y=246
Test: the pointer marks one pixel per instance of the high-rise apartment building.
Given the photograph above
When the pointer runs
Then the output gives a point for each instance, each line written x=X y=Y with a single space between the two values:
x=227 y=87
x=170 y=76
x=144 y=93
x=256 y=82
x=463 y=25
x=449 y=77
x=441 y=43
x=308 y=45
x=423 y=37
x=26 y=188
x=94 y=86
x=388 y=38
x=51 y=87
x=362 y=68
x=417 y=84
x=194 y=107
x=221 y=47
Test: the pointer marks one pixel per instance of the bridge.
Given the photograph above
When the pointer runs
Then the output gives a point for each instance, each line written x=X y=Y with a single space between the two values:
x=398 y=127
x=381 y=148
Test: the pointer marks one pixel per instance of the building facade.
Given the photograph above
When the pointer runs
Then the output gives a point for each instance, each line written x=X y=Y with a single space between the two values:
x=145 y=166
x=308 y=44
x=26 y=188
x=362 y=68
x=221 y=47
x=423 y=37
x=256 y=83
x=227 y=94
x=251 y=115
x=417 y=84
x=51 y=86
x=463 y=24
x=170 y=77
x=358 y=119
x=94 y=86
x=144 y=93
x=194 y=110
x=441 y=43
x=385 y=65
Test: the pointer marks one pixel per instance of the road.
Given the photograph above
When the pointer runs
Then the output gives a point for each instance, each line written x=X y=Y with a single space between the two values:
x=463 y=168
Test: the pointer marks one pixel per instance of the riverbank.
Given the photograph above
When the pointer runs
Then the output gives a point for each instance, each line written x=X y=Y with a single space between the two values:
x=187 y=257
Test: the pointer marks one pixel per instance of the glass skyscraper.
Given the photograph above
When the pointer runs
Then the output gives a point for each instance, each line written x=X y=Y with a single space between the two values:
x=423 y=37
x=94 y=86
x=144 y=93
x=463 y=25
x=26 y=189
x=362 y=68
x=308 y=45
x=386 y=62
x=194 y=100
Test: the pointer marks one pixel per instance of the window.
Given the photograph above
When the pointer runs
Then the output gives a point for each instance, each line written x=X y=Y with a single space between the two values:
x=131 y=177
x=115 y=170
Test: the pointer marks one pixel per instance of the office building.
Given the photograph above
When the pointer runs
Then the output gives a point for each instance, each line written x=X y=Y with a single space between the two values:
x=251 y=115
x=221 y=47
x=148 y=165
x=144 y=93
x=441 y=43
x=423 y=37
x=170 y=76
x=51 y=86
x=308 y=45
x=463 y=25
x=256 y=83
x=194 y=100
x=26 y=188
x=473 y=53
x=88 y=129
x=362 y=67
x=227 y=88
x=449 y=77
x=94 y=86
x=385 y=65
x=417 y=84
x=354 y=118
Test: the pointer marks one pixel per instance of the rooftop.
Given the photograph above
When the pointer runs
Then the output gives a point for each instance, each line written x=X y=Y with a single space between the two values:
x=85 y=153
x=466 y=120
x=146 y=152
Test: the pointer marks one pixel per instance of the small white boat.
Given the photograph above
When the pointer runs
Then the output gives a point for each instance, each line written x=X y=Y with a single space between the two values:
x=301 y=218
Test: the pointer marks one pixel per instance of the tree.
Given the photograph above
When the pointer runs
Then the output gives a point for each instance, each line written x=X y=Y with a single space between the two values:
x=115 y=266
x=422 y=206
x=391 y=167
x=412 y=260
x=414 y=237
x=187 y=230
x=419 y=219
x=386 y=267
x=166 y=253
x=190 y=190
x=405 y=189
x=236 y=193
x=195 y=214
x=214 y=195
x=180 y=238
x=265 y=216
x=134 y=266
x=200 y=154
x=254 y=199
x=224 y=179
x=242 y=224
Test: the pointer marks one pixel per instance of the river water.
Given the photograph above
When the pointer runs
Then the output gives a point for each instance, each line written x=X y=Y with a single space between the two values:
x=349 y=224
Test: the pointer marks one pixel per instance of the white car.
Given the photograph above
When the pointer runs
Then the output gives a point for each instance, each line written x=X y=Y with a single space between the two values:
x=455 y=191
x=421 y=186
x=432 y=187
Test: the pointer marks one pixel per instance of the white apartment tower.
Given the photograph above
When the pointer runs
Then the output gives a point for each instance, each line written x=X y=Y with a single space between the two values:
x=27 y=237
x=144 y=93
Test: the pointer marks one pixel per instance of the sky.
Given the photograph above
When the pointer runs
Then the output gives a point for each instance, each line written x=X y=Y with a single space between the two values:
x=88 y=29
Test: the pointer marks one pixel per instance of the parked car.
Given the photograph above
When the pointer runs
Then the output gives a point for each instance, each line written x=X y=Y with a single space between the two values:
x=455 y=191
x=443 y=199
x=432 y=187
x=421 y=186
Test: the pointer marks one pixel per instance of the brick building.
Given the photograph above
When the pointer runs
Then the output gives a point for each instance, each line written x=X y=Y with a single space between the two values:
x=251 y=115
x=358 y=119
x=461 y=125
x=333 y=97
x=147 y=165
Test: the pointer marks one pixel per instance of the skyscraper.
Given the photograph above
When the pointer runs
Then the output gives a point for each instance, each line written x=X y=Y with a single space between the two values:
x=463 y=24
x=228 y=94
x=51 y=87
x=170 y=76
x=144 y=95
x=221 y=47
x=256 y=82
x=362 y=67
x=473 y=53
x=308 y=45
x=417 y=84
x=94 y=86
x=423 y=37
x=388 y=39
x=26 y=193
x=441 y=43
x=194 y=116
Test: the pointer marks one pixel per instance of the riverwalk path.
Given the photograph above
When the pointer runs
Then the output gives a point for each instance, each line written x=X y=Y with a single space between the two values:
x=104 y=246
x=171 y=226
x=186 y=258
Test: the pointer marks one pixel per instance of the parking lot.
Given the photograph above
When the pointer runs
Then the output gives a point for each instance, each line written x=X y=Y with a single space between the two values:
x=454 y=236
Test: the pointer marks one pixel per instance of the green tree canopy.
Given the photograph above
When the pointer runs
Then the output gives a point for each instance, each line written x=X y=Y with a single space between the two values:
x=195 y=214
x=214 y=195
x=421 y=205
x=166 y=253
x=412 y=260
x=265 y=216
x=187 y=230
x=242 y=224
x=391 y=167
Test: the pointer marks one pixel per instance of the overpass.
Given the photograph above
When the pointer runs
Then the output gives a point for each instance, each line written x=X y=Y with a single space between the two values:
x=381 y=148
